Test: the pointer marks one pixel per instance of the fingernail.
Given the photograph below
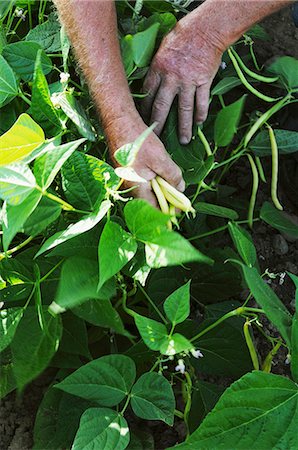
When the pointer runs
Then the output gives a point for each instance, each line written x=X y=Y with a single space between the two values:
x=184 y=140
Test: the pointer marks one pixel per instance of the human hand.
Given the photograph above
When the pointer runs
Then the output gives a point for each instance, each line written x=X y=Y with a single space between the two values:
x=152 y=159
x=184 y=65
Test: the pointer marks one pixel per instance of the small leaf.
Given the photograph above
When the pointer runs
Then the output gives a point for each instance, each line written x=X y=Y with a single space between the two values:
x=16 y=183
x=226 y=122
x=48 y=165
x=46 y=212
x=287 y=68
x=127 y=154
x=152 y=398
x=177 y=305
x=153 y=333
x=20 y=140
x=74 y=339
x=175 y=344
x=9 y=320
x=277 y=219
x=101 y=428
x=106 y=380
x=83 y=225
x=8 y=83
x=294 y=333
x=215 y=210
x=47 y=34
x=129 y=174
x=143 y=45
x=116 y=248
x=287 y=142
x=244 y=244
x=225 y=85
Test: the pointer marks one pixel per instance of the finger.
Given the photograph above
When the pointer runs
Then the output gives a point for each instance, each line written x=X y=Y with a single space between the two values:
x=145 y=192
x=202 y=103
x=185 y=113
x=170 y=172
x=150 y=87
x=162 y=103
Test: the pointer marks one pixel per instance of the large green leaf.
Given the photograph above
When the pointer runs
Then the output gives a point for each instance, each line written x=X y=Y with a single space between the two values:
x=106 y=380
x=287 y=68
x=33 y=347
x=243 y=243
x=294 y=334
x=177 y=305
x=48 y=165
x=78 y=282
x=46 y=212
x=20 y=140
x=116 y=248
x=42 y=109
x=9 y=320
x=74 y=339
x=16 y=183
x=274 y=309
x=8 y=83
x=47 y=35
x=14 y=217
x=21 y=56
x=226 y=122
x=102 y=428
x=143 y=45
x=277 y=219
x=258 y=411
x=153 y=333
x=143 y=220
x=57 y=420
x=287 y=142
x=83 y=225
x=152 y=398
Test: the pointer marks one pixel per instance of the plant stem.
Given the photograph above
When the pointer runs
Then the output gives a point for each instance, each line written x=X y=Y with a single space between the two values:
x=152 y=304
x=20 y=246
x=250 y=345
x=23 y=97
x=125 y=405
x=204 y=142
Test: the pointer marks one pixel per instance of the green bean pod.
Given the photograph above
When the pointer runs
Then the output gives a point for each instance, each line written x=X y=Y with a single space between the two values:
x=274 y=175
x=249 y=72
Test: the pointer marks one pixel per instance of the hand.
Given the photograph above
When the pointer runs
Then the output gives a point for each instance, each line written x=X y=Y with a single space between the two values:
x=152 y=159
x=184 y=65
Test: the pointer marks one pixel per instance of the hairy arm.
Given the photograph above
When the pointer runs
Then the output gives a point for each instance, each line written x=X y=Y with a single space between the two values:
x=92 y=28
x=190 y=55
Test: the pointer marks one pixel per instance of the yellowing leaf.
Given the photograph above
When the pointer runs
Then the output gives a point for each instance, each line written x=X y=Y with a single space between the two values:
x=20 y=140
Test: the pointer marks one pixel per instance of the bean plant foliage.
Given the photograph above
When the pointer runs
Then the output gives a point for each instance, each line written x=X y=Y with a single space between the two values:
x=133 y=316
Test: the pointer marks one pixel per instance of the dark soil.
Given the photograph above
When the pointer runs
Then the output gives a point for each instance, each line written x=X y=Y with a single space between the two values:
x=276 y=253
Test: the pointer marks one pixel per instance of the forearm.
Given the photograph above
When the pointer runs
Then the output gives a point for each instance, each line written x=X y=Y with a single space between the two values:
x=92 y=29
x=227 y=20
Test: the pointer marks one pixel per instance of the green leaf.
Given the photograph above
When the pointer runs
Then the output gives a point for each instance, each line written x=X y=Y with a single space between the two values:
x=171 y=249
x=225 y=85
x=141 y=440
x=274 y=309
x=32 y=347
x=226 y=122
x=47 y=35
x=152 y=398
x=102 y=428
x=153 y=333
x=126 y=53
x=101 y=314
x=287 y=68
x=166 y=20
x=20 y=140
x=46 y=212
x=75 y=112
x=143 y=44
x=78 y=282
x=83 y=225
x=9 y=320
x=5 y=5
x=8 y=83
x=215 y=210
x=16 y=183
x=175 y=344
x=116 y=248
x=14 y=217
x=83 y=180
x=243 y=243
x=177 y=305
x=48 y=165
x=143 y=220
x=42 y=109
x=127 y=154
x=74 y=339
x=277 y=219
x=287 y=142
x=57 y=420
x=294 y=333
x=106 y=380
x=266 y=416
x=21 y=57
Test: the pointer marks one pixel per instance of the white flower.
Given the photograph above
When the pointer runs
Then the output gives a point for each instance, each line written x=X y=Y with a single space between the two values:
x=196 y=353
x=282 y=278
x=180 y=367
x=55 y=99
x=64 y=77
x=223 y=65
x=106 y=176
x=20 y=13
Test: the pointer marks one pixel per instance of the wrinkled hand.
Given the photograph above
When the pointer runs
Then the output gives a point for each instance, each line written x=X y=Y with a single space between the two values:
x=151 y=160
x=184 y=65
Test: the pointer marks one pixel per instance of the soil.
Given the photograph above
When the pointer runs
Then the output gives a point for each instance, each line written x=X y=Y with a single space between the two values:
x=276 y=252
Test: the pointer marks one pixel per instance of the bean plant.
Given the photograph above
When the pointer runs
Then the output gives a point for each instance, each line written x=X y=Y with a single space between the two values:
x=140 y=321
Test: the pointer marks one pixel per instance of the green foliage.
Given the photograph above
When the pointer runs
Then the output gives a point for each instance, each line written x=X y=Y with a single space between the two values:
x=8 y=83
